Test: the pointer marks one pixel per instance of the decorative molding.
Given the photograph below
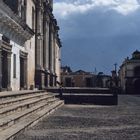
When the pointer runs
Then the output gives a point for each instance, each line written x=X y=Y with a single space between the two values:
x=23 y=54
x=11 y=25
x=5 y=46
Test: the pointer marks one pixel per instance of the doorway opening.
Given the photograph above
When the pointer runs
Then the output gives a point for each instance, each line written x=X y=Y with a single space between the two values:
x=137 y=86
x=4 y=70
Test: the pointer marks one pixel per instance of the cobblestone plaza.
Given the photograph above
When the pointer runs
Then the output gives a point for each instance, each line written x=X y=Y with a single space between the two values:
x=90 y=122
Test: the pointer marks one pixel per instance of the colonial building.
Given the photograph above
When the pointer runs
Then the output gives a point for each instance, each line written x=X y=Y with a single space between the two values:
x=79 y=78
x=101 y=80
x=47 y=46
x=29 y=44
x=129 y=74
x=82 y=78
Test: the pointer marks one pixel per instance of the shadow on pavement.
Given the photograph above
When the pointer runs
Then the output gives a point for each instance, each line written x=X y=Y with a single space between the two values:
x=97 y=99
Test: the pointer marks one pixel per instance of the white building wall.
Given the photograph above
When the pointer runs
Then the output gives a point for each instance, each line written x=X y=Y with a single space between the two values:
x=18 y=36
x=15 y=82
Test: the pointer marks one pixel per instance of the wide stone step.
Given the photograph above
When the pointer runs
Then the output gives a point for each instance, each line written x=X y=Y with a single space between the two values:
x=16 y=117
x=12 y=131
x=21 y=99
x=15 y=94
x=23 y=105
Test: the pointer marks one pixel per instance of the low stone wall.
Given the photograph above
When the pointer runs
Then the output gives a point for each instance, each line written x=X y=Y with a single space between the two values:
x=80 y=90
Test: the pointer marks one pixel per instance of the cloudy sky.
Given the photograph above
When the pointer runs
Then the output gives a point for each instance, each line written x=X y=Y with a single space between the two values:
x=97 y=33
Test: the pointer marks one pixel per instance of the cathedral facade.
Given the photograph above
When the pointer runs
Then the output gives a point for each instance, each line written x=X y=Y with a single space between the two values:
x=29 y=45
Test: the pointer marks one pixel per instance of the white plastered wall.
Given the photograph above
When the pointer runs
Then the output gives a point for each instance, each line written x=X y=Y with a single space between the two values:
x=15 y=82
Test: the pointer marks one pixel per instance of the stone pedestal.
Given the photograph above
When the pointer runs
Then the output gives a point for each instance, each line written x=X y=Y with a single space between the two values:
x=55 y=80
x=47 y=79
x=40 y=79
x=51 y=80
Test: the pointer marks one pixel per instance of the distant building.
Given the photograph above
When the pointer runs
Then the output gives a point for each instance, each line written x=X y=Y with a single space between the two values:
x=82 y=78
x=79 y=78
x=129 y=74
x=66 y=69
x=101 y=80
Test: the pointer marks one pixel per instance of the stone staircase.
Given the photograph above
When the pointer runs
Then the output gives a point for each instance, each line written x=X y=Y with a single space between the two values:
x=21 y=109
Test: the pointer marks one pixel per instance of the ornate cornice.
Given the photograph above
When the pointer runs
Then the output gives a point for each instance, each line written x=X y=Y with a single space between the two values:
x=12 y=25
x=5 y=46
x=23 y=54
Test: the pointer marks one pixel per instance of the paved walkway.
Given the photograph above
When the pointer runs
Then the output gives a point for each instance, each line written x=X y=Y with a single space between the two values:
x=89 y=122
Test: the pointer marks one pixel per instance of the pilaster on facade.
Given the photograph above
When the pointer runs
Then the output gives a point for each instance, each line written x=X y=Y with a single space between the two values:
x=39 y=34
x=9 y=71
x=23 y=69
x=46 y=43
x=0 y=69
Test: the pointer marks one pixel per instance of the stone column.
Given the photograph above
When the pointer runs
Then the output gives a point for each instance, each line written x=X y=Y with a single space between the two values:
x=46 y=43
x=52 y=59
x=0 y=69
x=54 y=51
x=39 y=75
x=50 y=54
x=9 y=71
x=44 y=51
x=52 y=44
x=0 y=63
x=47 y=54
x=38 y=38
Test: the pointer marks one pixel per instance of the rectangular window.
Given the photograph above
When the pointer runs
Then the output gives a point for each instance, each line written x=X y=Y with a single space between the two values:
x=14 y=66
x=23 y=10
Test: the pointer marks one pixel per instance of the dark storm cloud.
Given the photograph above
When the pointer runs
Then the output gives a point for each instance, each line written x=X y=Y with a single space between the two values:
x=99 y=38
